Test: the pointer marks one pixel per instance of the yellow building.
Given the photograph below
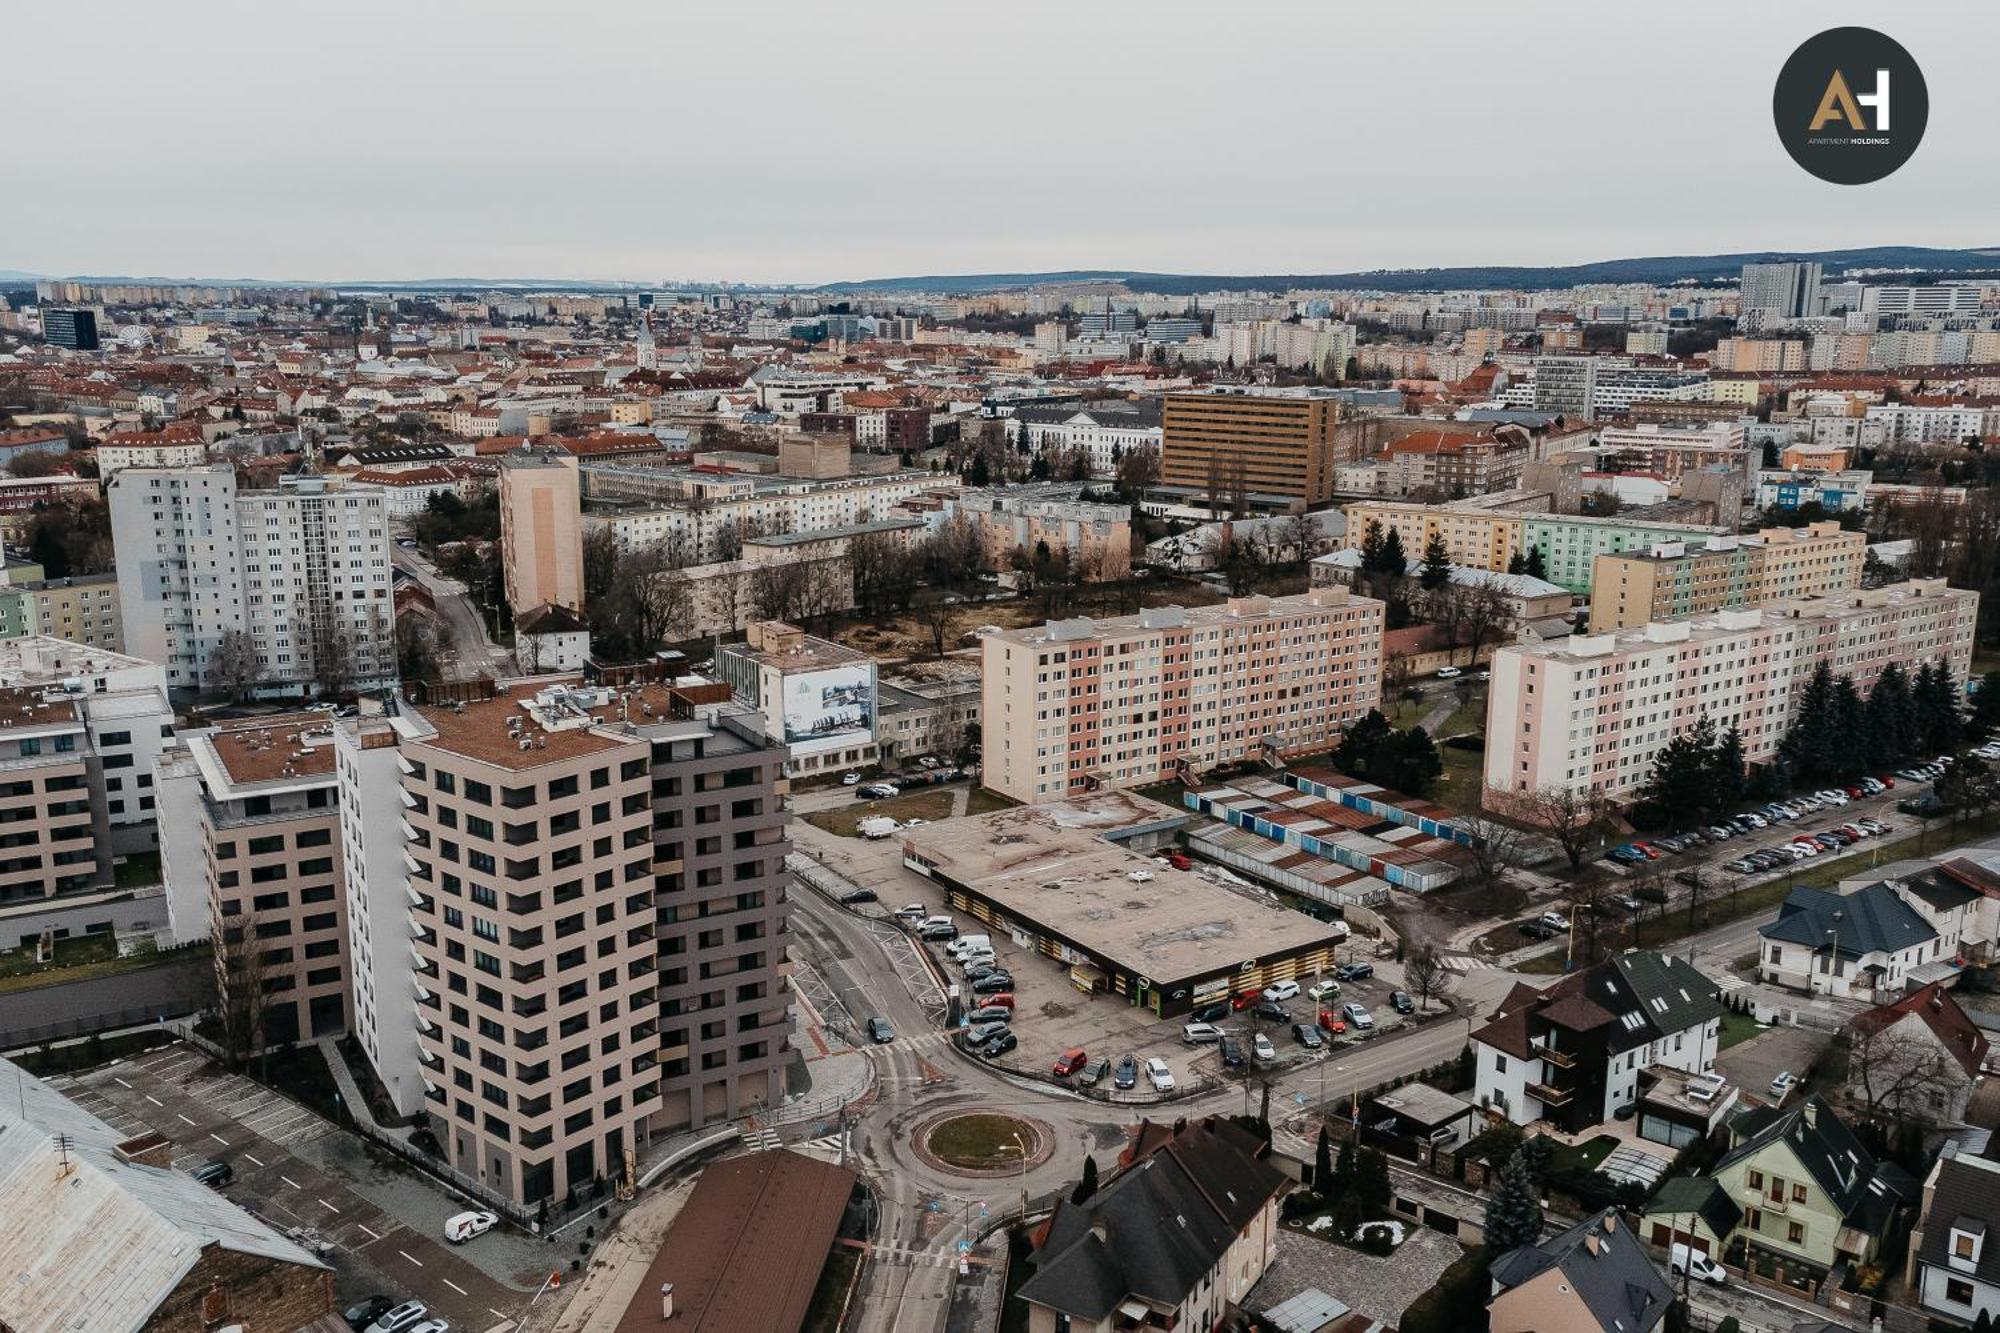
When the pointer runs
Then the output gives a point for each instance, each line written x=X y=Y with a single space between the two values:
x=1255 y=442
x=1673 y=580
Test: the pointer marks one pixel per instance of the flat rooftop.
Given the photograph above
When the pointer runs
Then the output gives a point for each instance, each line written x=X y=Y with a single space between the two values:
x=478 y=730
x=1050 y=865
x=290 y=747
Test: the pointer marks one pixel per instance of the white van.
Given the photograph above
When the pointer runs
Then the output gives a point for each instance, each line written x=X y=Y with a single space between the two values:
x=966 y=944
x=1698 y=1266
x=464 y=1226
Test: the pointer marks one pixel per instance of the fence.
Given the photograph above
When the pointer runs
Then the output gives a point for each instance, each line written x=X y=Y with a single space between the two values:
x=85 y=1024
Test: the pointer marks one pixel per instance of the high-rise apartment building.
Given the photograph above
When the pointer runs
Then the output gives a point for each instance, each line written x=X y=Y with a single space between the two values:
x=271 y=852
x=82 y=609
x=596 y=890
x=541 y=529
x=1780 y=291
x=1593 y=710
x=74 y=329
x=1076 y=706
x=302 y=570
x=1249 y=442
x=1672 y=580
x=54 y=832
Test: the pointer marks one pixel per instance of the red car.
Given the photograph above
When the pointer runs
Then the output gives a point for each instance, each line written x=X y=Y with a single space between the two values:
x=1179 y=861
x=1069 y=1062
x=1886 y=779
x=1331 y=1020
x=1652 y=853
x=1004 y=1000
x=1245 y=1000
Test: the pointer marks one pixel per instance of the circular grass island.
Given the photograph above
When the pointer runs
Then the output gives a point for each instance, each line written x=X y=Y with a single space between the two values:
x=983 y=1141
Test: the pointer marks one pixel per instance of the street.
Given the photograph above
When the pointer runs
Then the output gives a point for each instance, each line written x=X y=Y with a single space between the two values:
x=473 y=652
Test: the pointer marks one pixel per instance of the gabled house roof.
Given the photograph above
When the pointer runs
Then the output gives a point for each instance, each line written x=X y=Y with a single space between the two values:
x=1935 y=1007
x=1640 y=996
x=1865 y=1191
x=1964 y=1196
x=1700 y=1195
x=1154 y=1230
x=1870 y=920
x=1603 y=1263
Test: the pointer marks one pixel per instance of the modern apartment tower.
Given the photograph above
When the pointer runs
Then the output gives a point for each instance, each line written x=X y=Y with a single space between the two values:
x=596 y=890
x=73 y=329
x=541 y=530
x=1779 y=291
x=1246 y=442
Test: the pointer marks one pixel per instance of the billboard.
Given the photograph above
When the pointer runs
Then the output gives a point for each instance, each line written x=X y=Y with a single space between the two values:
x=825 y=710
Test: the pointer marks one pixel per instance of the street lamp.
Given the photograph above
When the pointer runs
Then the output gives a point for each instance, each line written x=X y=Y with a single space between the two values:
x=1021 y=1151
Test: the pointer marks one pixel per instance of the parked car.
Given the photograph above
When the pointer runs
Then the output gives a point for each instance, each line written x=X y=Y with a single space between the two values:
x=1358 y=1015
x=1781 y=1085
x=1331 y=1020
x=1093 y=1073
x=1281 y=990
x=1354 y=971
x=1232 y=1053
x=1127 y=1074
x=1276 y=1013
x=1323 y=990
x=1401 y=1002
x=214 y=1173
x=981 y=1033
x=854 y=897
x=462 y=1227
x=1000 y=1000
x=1629 y=903
x=850 y=779
x=1196 y=1034
x=880 y=1032
x=990 y=1013
x=993 y=982
x=1212 y=1013
x=1555 y=921
x=1535 y=930
x=363 y=1313
x=912 y=912
x=1000 y=1045
x=1697 y=1266
x=1161 y=1077
x=401 y=1319
x=1262 y=1049
x=1306 y=1035
x=1069 y=1062
x=1447 y=673
x=1179 y=861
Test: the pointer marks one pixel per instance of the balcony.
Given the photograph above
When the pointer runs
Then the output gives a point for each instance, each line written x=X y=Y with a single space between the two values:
x=531 y=1041
x=530 y=1006
x=1549 y=1096
x=526 y=972
x=429 y=1059
x=539 y=1138
x=422 y=966
x=535 y=1073
x=1560 y=1059
x=428 y=1028
x=533 y=1106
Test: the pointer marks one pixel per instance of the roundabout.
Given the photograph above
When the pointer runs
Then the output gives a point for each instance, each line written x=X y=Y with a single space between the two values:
x=983 y=1143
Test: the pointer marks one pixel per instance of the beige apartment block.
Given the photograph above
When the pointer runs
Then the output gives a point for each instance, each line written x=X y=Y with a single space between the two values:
x=541 y=529
x=1676 y=579
x=598 y=885
x=271 y=852
x=1083 y=705
x=54 y=832
x=1593 y=710
x=82 y=609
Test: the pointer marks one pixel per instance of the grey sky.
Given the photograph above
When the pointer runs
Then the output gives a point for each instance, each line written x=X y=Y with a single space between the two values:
x=810 y=142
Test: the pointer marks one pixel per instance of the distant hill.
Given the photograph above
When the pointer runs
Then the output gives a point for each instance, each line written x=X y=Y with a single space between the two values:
x=1657 y=269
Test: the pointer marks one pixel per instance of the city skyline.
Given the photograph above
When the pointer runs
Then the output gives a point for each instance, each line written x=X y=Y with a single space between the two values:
x=1333 y=142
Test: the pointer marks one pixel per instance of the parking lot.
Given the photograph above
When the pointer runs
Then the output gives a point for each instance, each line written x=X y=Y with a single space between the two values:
x=1752 y=1064
x=1051 y=1016
x=381 y=1220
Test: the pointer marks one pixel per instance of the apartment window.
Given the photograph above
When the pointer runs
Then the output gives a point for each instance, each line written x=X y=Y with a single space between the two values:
x=1958 y=1291
x=1795 y=1232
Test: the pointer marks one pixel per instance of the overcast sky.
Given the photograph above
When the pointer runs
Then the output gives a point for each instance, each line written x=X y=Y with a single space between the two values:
x=811 y=142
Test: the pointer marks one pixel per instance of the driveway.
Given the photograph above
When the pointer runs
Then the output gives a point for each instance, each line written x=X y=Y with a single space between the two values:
x=294 y=1169
x=1752 y=1064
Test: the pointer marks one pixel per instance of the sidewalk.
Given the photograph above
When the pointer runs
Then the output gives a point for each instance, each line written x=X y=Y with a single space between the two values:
x=350 y=1092
x=618 y=1268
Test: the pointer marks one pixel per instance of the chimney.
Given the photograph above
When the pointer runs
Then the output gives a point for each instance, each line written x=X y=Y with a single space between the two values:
x=666 y=1301
x=1590 y=1243
x=1811 y=1110
x=1610 y=1222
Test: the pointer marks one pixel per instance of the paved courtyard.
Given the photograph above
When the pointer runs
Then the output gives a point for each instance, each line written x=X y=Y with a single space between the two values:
x=1379 y=1287
x=1751 y=1065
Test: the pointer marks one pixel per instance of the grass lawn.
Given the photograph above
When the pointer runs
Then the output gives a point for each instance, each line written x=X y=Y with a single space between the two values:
x=1735 y=1028
x=931 y=803
x=72 y=952
x=1586 y=1156
x=95 y=956
x=980 y=1141
x=1463 y=781
x=985 y=801
x=829 y=1298
x=1467 y=719
x=139 y=870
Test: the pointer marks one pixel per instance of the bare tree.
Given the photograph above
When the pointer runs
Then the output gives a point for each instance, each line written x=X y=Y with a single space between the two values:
x=1485 y=615
x=1425 y=975
x=654 y=596
x=241 y=998
x=333 y=670
x=233 y=667
x=778 y=590
x=1574 y=818
x=1897 y=1073
x=1495 y=849
x=938 y=612
x=728 y=541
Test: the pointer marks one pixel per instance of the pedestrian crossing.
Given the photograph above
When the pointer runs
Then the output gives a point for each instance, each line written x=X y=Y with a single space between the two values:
x=1731 y=982
x=1463 y=963
x=762 y=1140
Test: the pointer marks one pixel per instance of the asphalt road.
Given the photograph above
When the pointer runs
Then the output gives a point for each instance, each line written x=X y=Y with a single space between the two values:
x=123 y=999
x=474 y=653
